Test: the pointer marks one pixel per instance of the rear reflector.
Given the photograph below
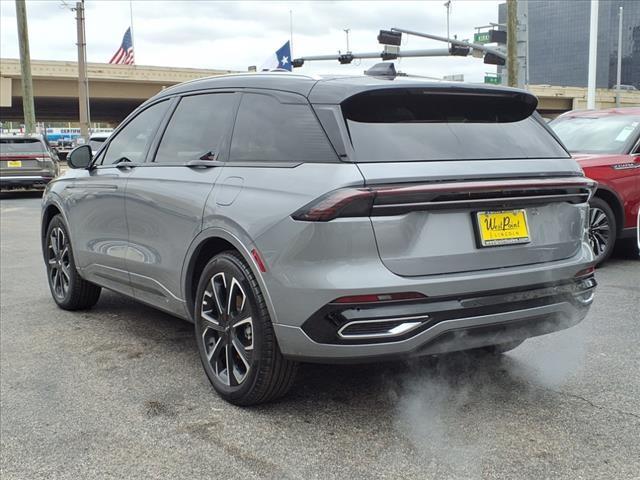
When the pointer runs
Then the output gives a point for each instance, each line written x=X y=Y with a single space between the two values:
x=585 y=272
x=380 y=297
x=258 y=259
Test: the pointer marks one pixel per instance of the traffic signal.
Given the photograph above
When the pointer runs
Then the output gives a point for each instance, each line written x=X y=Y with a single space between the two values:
x=493 y=59
x=387 y=37
x=459 y=51
x=345 y=58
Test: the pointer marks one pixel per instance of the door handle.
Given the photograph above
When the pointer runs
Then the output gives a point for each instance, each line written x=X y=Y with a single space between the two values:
x=203 y=163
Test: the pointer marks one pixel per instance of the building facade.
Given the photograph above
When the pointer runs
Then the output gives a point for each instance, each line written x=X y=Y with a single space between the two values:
x=559 y=42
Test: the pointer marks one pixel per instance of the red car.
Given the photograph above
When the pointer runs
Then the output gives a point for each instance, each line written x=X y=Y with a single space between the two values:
x=606 y=143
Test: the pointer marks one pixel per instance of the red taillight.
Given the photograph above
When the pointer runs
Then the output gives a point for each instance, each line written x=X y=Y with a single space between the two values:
x=346 y=202
x=403 y=198
x=380 y=297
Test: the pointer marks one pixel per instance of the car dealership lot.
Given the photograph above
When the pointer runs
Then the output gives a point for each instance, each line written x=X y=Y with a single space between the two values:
x=118 y=392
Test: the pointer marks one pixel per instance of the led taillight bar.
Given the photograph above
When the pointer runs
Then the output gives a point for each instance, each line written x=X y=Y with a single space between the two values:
x=396 y=199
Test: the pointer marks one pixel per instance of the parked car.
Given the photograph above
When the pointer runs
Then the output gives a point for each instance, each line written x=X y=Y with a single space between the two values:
x=96 y=140
x=26 y=161
x=606 y=144
x=352 y=219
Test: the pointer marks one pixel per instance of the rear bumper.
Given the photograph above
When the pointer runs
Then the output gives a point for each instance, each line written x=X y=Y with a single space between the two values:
x=449 y=324
x=24 y=181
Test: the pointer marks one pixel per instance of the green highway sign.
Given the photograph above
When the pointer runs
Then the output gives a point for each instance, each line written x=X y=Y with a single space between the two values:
x=492 y=79
x=482 y=37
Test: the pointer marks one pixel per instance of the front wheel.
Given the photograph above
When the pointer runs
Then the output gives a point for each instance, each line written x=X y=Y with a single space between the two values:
x=69 y=290
x=236 y=341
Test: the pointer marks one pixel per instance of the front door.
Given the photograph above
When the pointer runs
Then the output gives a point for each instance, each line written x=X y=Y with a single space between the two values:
x=97 y=199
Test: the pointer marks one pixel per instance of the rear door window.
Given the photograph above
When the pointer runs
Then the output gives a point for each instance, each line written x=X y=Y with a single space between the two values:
x=406 y=125
x=197 y=128
x=267 y=130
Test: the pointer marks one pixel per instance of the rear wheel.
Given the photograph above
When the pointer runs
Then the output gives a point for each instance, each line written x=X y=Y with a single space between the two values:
x=69 y=290
x=236 y=341
x=602 y=229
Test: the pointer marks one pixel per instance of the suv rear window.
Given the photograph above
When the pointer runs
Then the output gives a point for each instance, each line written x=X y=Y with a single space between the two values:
x=420 y=125
x=269 y=131
x=21 y=145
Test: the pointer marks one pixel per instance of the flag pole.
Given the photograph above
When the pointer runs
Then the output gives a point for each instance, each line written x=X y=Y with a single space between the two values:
x=131 y=27
x=291 y=32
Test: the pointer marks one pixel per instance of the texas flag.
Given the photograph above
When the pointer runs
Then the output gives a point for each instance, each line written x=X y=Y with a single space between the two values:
x=280 y=59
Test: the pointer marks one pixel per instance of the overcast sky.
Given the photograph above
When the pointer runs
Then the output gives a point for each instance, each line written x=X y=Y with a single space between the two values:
x=234 y=35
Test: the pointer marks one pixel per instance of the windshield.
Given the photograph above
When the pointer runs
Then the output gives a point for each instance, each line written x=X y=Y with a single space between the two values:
x=609 y=134
x=422 y=126
x=20 y=145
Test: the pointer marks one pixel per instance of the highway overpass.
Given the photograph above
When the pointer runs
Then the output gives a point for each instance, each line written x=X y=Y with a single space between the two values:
x=116 y=90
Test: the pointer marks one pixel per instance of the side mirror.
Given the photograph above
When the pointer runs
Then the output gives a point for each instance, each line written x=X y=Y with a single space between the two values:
x=80 y=157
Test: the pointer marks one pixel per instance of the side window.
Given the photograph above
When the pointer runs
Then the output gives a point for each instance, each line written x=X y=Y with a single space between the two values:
x=132 y=141
x=197 y=127
x=269 y=131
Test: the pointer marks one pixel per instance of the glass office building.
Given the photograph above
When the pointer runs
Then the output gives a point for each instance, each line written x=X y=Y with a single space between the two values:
x=559 y=42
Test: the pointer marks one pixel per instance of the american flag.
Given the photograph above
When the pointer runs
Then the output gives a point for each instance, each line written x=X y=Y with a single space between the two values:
x=124 y=55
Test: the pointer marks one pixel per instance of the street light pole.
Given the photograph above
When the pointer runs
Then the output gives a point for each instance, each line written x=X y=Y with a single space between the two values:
x=593 y=55
x=25 y=66
x=619 y=69
x=83 y=84
x=512 y=43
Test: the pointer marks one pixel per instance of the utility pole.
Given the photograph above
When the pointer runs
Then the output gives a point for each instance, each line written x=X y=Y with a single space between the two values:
x=619 y=69
x=83 y=82
x=25 y=65
x=593 y=56
x=512 y=43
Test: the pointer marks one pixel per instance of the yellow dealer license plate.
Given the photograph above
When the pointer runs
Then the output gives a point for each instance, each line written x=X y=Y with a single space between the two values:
x=14 y=163
x=502 y=228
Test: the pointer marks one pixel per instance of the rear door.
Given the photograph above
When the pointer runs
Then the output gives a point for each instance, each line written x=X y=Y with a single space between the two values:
x=464 y=182
x=167 y=194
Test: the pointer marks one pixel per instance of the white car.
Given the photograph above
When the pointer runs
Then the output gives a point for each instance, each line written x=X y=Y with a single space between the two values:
x=96 y=140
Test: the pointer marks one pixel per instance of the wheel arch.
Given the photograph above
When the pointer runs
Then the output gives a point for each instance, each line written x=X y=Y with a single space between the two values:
x=205 y=246
x=49 y=211
x=615 y=203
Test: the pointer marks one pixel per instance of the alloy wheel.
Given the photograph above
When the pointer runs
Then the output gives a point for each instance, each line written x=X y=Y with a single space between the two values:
x=227 y=329
x=59 y=262
x=599 y=231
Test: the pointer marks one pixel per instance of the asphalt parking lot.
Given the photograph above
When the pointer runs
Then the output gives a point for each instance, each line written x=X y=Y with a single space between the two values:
x=118 y=392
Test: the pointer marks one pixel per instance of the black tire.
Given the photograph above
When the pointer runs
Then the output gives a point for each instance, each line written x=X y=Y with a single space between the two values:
x=68 y=289
x=602 y=229
x=501 y=348
x=240 y=333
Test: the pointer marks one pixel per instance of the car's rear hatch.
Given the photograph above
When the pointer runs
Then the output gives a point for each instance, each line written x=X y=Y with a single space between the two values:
x=20 y=156
x=464 y=181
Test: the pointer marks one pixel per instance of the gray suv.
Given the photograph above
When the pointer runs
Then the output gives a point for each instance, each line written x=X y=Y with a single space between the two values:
x=336 y=219
x=26 y=161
